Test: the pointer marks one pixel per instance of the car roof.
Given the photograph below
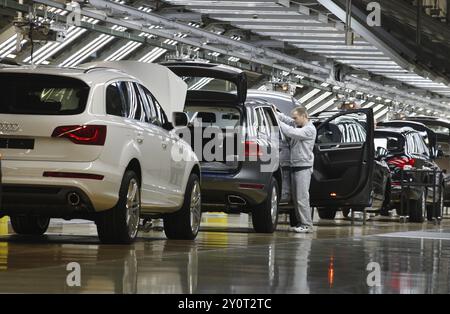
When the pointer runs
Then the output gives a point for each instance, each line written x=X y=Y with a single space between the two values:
x=428 y=119
x=393 y=130
x=89 y=76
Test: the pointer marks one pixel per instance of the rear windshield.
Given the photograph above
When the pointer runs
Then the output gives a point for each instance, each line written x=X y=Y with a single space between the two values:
x=223 y=118
x=36 y=94
x=393 y=143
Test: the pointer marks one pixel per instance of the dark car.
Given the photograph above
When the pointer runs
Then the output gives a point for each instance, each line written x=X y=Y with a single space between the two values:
x=247 y=181
x=442 y=129
x=345 y=152
x=408 y=150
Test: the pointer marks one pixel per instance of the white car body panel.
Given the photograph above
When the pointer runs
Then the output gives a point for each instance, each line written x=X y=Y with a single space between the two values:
x=163 y=179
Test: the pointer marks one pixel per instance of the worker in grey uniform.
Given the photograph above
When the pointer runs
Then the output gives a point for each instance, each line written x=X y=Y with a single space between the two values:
x=302 y=136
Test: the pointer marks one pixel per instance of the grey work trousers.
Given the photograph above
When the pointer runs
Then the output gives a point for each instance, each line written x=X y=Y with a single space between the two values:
x=301 y=214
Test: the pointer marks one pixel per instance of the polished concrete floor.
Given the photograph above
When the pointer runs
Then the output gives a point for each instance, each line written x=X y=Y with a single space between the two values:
x=227 y=257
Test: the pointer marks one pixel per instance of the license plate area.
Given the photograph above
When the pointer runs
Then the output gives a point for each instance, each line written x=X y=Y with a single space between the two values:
x=17 y=143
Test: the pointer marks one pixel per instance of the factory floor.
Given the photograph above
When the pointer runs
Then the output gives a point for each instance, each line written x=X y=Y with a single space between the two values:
x=383 y=256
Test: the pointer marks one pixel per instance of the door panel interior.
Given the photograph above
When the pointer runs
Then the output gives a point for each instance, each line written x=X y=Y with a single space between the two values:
x=344 y=158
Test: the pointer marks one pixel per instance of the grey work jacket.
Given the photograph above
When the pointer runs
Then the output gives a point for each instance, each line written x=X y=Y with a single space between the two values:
x=301 y=141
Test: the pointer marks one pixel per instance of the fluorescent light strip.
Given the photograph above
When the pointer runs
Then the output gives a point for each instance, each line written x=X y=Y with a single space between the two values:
x=84 y=52
x=124 y=51
x=318 y=100
x=10 y=48
x=327 y=105
x=381 y=113
x=7 y=42
x=101 y=44
x=201 y=83
x=309 y=95
x=153 y=55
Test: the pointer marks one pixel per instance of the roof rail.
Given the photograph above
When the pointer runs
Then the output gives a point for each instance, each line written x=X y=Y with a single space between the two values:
x=100 y=68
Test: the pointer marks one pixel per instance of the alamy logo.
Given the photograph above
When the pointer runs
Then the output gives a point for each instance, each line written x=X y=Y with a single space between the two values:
x=374 y=277
x=374 y=17
x=73 y=279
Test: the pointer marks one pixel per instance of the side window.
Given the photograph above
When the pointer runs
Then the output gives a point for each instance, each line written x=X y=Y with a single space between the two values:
x=261 y=121
x=115 y=104
x=348 y=128
x=270 y=120
x=134 y=105
x=141 y=104
x=160 y=112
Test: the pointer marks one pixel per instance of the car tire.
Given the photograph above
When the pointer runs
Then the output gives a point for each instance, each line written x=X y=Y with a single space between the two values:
x=120 y=224
x=417 y=208
x=29 y=225
x=327 y=213
x=184 y=224
x=439 y=205
x=345 y=212
x=265 y=216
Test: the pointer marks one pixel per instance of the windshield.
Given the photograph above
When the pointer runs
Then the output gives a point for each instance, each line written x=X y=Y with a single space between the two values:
x=209 y=84
x=36 y=94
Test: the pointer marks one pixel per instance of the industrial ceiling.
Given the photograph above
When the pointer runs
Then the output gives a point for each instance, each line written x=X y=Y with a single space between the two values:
x=302 y=43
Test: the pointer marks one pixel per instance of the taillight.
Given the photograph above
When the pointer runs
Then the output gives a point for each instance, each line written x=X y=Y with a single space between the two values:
x=82 y=134
x=401 y=162
x=252 y=149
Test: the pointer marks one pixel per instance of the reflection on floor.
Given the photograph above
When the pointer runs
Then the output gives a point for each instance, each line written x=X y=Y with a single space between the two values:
x=228 y=257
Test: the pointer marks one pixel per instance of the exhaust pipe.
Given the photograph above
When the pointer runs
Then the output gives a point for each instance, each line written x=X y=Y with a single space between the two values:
x=73 y=199
x=236 y=200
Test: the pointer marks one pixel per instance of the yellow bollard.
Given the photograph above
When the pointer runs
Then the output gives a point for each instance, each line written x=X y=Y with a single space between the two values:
x=4 y=225
x=4 y=245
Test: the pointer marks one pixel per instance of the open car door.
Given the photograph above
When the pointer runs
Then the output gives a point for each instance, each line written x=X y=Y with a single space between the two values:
x=344 y=159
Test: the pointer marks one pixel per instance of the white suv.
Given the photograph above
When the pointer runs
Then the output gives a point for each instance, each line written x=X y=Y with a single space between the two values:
x=96 y=144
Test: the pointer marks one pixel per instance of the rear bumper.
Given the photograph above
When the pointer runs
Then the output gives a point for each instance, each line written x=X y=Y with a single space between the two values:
x=51 y=201
x=224 y=192
x=26 y=187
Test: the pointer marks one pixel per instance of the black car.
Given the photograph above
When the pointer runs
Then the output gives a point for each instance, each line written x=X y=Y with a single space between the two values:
x=407 y=149
x=442 y=129
x=345 y=158
x=246 y=181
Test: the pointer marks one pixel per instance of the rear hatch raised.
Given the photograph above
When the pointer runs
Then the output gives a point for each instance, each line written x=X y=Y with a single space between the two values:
x=33 y=108
x=215 y=103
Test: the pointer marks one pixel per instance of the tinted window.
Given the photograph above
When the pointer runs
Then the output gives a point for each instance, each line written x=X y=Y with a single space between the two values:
x=349 y=128
x=115 y=104
x=416 y=145
x=36 y=94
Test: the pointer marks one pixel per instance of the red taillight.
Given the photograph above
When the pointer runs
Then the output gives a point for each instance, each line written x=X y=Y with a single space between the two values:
x=252 y=149
x=73 y=175
x=251 y=186
x=82 y=134
x=401 y=162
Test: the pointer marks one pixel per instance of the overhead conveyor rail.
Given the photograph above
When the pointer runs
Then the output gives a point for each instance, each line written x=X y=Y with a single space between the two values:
x=257 y=58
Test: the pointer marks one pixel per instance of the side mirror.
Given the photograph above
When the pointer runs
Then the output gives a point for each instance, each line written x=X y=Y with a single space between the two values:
x=167 y=126
x=381 y=153
x=180 y=119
